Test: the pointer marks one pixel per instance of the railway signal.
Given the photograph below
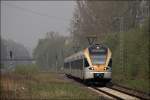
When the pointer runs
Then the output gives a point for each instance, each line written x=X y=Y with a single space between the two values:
x=10 y=54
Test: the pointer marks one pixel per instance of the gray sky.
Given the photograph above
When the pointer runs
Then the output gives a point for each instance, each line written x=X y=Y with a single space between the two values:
x=27 y=21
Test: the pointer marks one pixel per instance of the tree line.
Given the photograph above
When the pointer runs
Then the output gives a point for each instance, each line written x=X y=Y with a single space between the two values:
x=105 y=19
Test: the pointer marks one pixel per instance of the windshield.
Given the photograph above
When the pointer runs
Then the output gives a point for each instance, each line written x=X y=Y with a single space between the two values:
x=98 y=59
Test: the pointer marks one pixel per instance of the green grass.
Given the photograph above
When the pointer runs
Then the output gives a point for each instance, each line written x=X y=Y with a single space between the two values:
x=52 y=87
x=27 y=69
x=142 y=85
x=61 y=91
x=21 y=84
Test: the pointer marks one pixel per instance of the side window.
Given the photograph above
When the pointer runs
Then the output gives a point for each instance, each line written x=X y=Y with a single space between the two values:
x=110 y=63
x=66 y=65
x=77 y=64
x=86 y=64
x=72 y=65
x=81 y=63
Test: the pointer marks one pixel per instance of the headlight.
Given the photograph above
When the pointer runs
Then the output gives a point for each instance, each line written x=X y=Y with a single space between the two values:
x=106 y=68
x=91 y=68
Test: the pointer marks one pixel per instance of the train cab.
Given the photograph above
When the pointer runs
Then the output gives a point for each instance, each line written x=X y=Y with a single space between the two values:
x=100 y=63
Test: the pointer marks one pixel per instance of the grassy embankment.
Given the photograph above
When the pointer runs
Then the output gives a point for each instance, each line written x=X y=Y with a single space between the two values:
x=27 y=82
x=135 y=70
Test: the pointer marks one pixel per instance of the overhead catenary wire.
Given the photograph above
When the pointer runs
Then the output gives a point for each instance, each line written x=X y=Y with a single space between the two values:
x=51 y=17
x=37 y=13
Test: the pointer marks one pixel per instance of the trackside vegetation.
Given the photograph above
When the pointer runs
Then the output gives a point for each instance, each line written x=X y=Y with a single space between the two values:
x=26 y=82
x=26 y=69
x=134 y=72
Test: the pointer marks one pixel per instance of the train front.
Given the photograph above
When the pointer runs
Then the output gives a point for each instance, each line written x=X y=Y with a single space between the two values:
x=100 y=63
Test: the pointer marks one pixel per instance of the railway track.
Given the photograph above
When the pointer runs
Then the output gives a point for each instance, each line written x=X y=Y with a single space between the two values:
x=112 y=92
x=122 y=93
x=136 y=93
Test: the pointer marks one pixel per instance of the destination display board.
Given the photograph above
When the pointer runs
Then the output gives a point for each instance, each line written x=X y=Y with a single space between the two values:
x=97 y=49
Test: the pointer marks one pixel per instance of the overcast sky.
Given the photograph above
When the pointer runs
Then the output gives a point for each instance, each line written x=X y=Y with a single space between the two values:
x=27 y=21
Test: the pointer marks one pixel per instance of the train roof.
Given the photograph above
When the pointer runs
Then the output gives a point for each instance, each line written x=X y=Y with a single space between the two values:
x=78 y=55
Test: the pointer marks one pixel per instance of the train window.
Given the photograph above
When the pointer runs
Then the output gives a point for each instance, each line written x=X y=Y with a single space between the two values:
x=66 y=65
x=110 y=63
x=98 y=59
x=77 y=64
x=72 y=64
x=86 y=64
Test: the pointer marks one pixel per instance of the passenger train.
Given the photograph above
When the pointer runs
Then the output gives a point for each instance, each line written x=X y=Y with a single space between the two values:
x=94 y=63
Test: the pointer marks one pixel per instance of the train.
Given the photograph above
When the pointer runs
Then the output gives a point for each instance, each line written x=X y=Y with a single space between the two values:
x=93 y=63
